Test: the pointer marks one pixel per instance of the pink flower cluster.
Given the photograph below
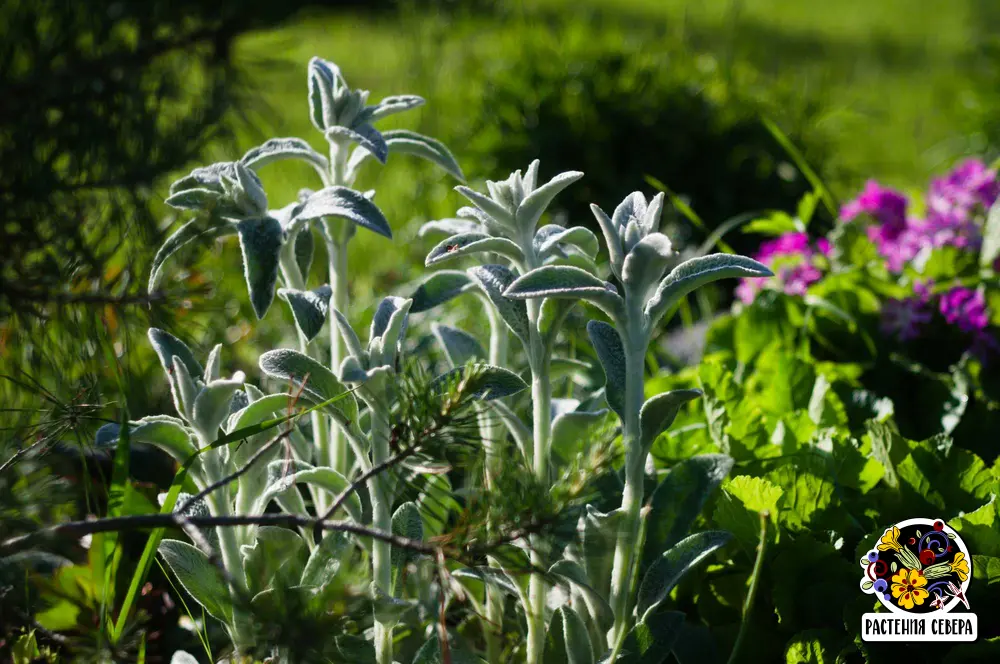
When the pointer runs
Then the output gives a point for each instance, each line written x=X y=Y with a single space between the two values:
x=793 y=259
x=956 y=204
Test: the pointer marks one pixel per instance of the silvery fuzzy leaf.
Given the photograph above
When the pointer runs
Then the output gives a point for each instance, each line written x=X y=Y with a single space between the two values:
x=632 y=235
x=530 y=179
x=679 y=499
x=632 y=207
x=611 y=240
x=183 y=389
x=488 y=575
x=316 y=381
x=389 y=321
x=347 y=203
x=565 y=281
x=519 y=431
x=534 y=204
x=448 y=226
x=488 y=382
x=402 y=141
x=697 y=272
x=108 y=435
x=325 y=561
x=253 y=393
x=282 y=476
x=488 y=206
x=459 y=346
x=199 y=577
x=167 y=433
x=348 y=335
x=651 y=218
x=214 y=365
x=438 y=288
x=494 y=280
x=276 y=558
x=611 y=353
x=323 y=77
x=567 y=640
x=553 y=314
x=193 y=199
x=276 y=149
x=659 y=412
x=260 y=242
x=600 y=536
x=189 y=232
x=543 y=234
x=253 y=190
x=181 y=657
x=305 y=248
x=205 y=177
x=466 y=244
x=364 y=135
x=167 y=346
x=309 y=308
x=259 y=410
x=664 y=574
x=211 y=406
x=395 y=104
x=578 y=236
x=351 y=371
x=645 y=264
x=388 y=609
x=472 y=212
x=571 y=432
x=406 y=522
x=571 y=572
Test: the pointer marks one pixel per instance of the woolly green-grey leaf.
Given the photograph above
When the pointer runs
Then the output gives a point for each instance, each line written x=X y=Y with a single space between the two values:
x=285 y=148
x=489 y=575
x=679 y=499
x=651 y=640
x=571 y=432
x=487 y=205
x=565 y=281
x=189 y=232
x=611 y=353
x=402 y=141
x=534 y=204
x=325 y=561
x=600 y=535
x=395 y=104
x=488 y=382
x=430 y=653
x=167 y=433
x=664 y=574
x=259 y=410
x=305 y=249
x=406 y=522
x=451 y=226
x=167 y=346
x=466 y=244
x=321 y=385
x=439 y=288
x=659 y=412
x=571 y=572
x=276 y=558
x=345 y=203
x=198 y=576
x=645 y=264
x=260 y=241
x=364 y=135
x=494 y=280
x=697 y=272
x=567 y=640
x=578 y=236
x=309 y=308
x=611 y=239
x=211 y=406
x=459 y=346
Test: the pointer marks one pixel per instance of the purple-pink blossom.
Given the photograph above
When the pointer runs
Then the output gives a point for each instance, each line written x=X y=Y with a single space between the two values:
x=905 y=318
x=886 y=206
x=795 y=261
x=965 y=308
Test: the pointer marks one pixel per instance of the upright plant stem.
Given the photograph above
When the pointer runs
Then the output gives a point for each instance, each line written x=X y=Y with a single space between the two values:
x=752 y=592
x=381 y=520
x=541 y=397
x=493 y=430
x=336 y=448
x=628 y=533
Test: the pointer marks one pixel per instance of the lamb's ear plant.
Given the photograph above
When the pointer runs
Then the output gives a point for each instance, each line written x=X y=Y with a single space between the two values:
x=640 y=257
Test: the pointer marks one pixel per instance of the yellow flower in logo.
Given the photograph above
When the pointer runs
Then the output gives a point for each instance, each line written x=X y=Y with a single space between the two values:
x=908 y=588
x=890 y=540
x=960 y=566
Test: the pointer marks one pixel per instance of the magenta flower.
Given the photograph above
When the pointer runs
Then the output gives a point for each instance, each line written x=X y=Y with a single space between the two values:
x=793 y=259
x=965 y=308
x=904 y=319
x=886 y=206
x=968 y=186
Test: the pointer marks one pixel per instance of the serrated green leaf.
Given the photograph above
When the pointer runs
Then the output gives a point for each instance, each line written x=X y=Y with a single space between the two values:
x=742 y=501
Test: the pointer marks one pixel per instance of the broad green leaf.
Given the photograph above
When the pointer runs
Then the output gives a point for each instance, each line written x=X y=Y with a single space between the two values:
x=199 y=577
x=459 y=346
x=401 y=141
x=260 y=242
x=494 y=280
x=487 y=382
x=534 y=204
x=363 y=135
x=211 y=406
x=167 y=433
x=189 y=232
x=276 y=149
x=326 y=560
x=659 y=412
x=466 y=244
x=886 y=444
x=489 y=575
x=436 y=502
x=439 y=288
x=673 y=564
x=309 y=308
x=572 y=432
x=573 y=573
x=345 y=203
x=316 y=381
x=565 y=281
x=611 y=353
x=652 y=638
x=277 y=558
x=600 y=536
x=167 y=346
x=739 y=507
x=567 y=640
x=679 y=499
x=697 y=272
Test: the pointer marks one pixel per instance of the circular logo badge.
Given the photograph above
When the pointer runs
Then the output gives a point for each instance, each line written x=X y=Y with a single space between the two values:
x=918 y=566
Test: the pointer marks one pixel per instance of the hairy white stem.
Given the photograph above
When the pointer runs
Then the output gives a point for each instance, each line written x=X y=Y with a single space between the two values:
x=493 y=430
x=333 y=448
x=381 y=520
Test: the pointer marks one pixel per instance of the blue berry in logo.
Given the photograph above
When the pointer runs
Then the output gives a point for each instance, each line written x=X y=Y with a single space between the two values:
x=872 y=556
x=881 y=586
